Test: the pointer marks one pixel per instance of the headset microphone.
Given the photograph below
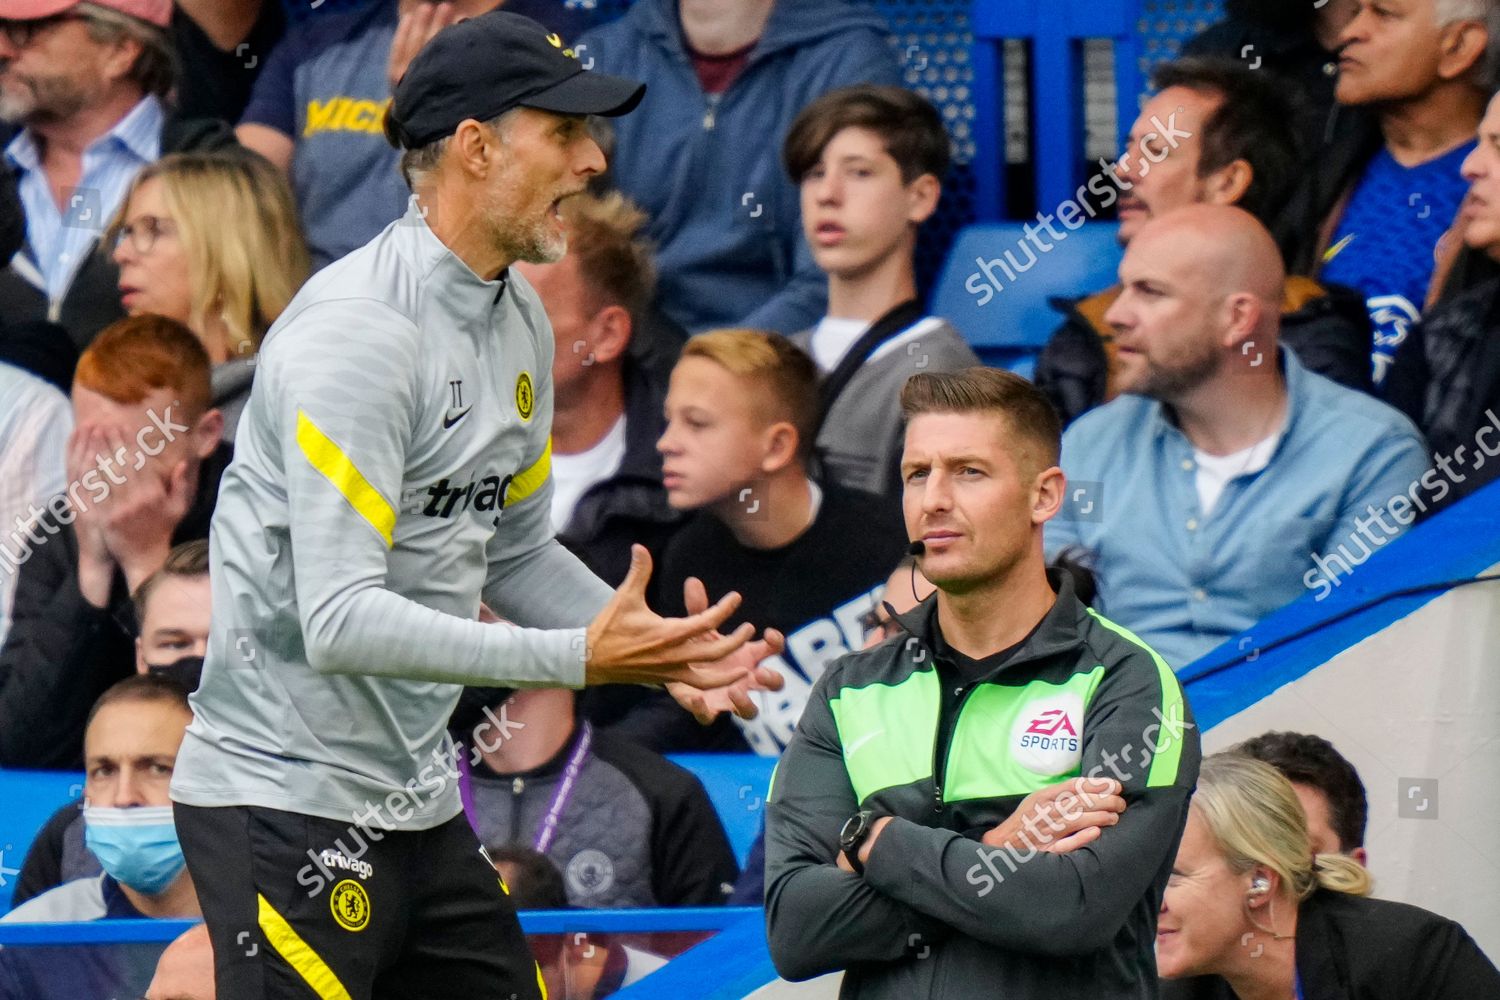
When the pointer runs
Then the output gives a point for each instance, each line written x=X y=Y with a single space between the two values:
x=916 y=548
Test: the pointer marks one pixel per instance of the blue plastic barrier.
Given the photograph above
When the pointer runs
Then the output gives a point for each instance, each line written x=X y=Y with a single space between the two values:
x=27 y=800
x=1005 y=311
x=646 y=921
x=737 y=785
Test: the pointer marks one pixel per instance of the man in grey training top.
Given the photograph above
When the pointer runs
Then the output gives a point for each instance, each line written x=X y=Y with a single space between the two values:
x=392 y=471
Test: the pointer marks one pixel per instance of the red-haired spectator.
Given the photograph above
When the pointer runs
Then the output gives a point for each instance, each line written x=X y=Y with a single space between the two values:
x=143 y=473
x=90 y=83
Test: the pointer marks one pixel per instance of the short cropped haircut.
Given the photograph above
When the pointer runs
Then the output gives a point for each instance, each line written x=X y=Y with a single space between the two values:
x=1031 y=417
x=133 y=357
x=907 y=123
x=788 y=376
x=416 y=163
x=1485 y=72
x=1255 y=121
x=614 y=259
x=189 y=559
x=143 y=687
x=1312 y=760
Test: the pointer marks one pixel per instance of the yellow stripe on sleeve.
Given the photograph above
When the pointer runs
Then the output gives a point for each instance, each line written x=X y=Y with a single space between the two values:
x=531 y=479
x=329 y=459
x=290 y=946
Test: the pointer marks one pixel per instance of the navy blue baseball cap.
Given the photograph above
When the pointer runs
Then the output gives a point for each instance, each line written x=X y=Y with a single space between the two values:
x=483 y=67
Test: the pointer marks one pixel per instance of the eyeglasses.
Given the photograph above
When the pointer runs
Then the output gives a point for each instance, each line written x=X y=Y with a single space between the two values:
x=20 y=34
x=144 y=232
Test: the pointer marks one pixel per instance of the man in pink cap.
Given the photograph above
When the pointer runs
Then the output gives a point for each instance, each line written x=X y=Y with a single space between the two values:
x=88 y=84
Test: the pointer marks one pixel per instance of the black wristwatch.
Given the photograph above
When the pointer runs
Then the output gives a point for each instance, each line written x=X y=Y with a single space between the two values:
x=852 y=836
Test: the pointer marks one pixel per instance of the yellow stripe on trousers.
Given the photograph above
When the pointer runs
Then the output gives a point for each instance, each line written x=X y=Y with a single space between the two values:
x=306 y=962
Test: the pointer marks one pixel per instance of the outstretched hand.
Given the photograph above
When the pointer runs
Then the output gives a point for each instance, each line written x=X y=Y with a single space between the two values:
x=415 y=29
x=706 y=704
x=628 y=643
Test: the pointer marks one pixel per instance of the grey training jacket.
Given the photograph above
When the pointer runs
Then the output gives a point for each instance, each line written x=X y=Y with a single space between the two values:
x=391 y=469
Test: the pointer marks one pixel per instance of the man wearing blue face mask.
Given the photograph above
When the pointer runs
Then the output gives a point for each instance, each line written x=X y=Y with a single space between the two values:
x=172 y=608
x=130 y=748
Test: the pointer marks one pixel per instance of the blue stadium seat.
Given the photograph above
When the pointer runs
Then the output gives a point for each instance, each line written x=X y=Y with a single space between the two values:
x=737 y=784
x=1005 y=314
x=29 y=799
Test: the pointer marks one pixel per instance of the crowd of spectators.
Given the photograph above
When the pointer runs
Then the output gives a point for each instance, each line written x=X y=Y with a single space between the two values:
x=1301 y=358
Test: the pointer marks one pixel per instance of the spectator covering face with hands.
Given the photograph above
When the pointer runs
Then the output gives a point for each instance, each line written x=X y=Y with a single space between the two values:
x=143 y=466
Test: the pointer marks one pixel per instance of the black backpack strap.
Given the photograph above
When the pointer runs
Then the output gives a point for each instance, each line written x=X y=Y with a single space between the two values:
x=893 y=322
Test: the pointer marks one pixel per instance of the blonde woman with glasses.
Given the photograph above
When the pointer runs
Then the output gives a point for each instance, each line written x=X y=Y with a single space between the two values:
x=1253 y=914
x=212 y=241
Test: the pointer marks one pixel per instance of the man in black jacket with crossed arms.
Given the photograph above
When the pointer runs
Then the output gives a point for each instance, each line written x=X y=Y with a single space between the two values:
x=988 y=804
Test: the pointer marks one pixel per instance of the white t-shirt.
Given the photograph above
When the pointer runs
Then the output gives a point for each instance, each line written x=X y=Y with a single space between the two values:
x=1215 y=471
x=833 y=337
x=572 y=475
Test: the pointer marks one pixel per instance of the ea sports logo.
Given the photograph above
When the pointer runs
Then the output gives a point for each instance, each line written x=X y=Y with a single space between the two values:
x=1047 y=737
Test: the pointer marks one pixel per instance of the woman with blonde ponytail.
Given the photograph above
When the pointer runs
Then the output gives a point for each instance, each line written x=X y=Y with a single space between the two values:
x=1250 y=913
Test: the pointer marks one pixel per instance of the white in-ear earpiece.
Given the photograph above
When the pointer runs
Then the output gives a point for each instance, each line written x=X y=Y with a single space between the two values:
x=1260 y=885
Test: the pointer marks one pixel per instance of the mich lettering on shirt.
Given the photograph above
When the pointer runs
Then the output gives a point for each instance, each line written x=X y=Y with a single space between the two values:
x=344 y=114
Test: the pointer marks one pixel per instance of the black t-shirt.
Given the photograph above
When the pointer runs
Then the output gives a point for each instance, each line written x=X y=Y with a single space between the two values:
x=214 y=83
x=816 y=590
